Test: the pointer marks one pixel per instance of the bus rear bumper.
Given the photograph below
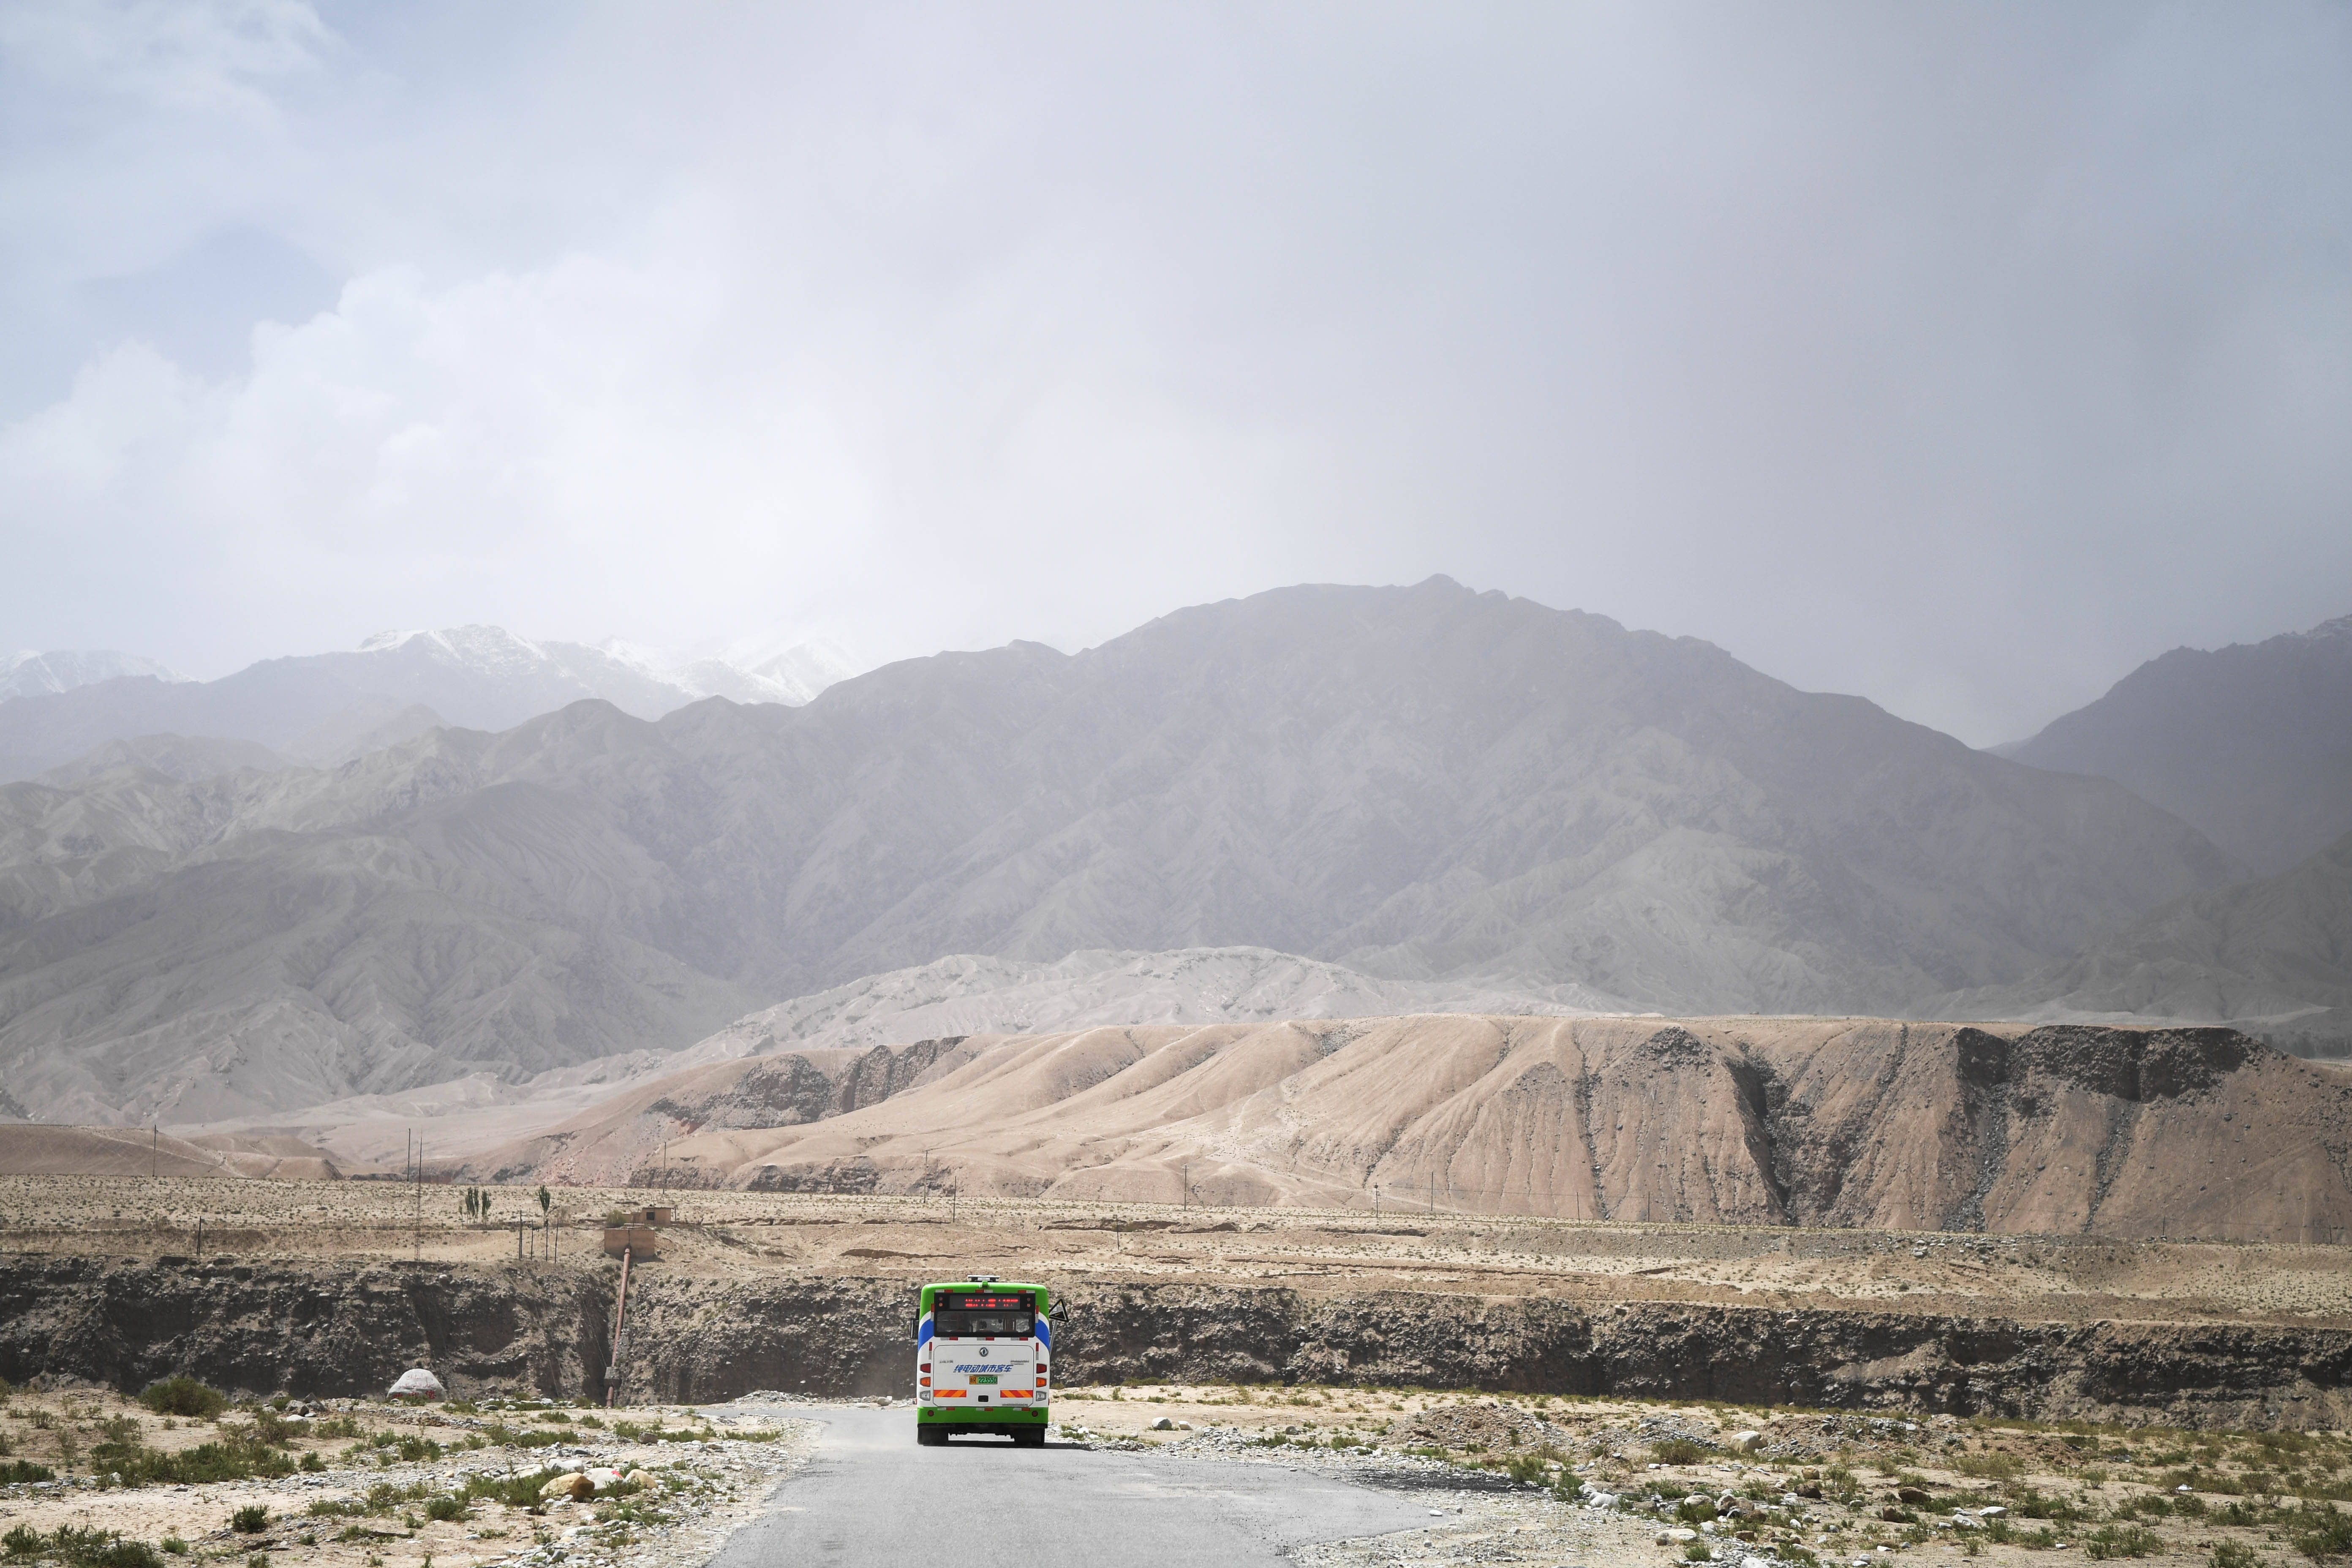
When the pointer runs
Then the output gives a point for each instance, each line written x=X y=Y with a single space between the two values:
x=995 y=1418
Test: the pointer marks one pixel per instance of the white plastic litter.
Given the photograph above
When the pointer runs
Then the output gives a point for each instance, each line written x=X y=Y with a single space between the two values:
x=416 y=1384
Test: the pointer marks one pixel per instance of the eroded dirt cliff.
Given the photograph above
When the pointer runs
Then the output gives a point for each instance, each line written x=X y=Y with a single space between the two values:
x=263 y=1328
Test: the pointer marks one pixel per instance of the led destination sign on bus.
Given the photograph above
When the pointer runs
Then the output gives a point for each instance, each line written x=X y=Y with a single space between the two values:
x=978 y=1302
x=983 y=1313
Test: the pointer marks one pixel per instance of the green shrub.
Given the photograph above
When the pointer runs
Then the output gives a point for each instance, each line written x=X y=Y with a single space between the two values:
x=2233 y=1554
x=270 y=1427
x=16 y=1470
x=2122 y=1540
x=515 y=1491
x=250 y=1520
x=175 y=1546
x=384 y=1496
x=2331 y=1535
x=2028 y=1503
x=234 y=1459
x=183 y=1396
x=1990 y=1467
x=82 y=1548
x=1526 y=1469
x=1677 y=1451
x=446 y=1508
x=507 y=1436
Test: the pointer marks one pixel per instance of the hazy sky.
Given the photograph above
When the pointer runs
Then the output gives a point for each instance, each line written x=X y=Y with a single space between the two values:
x=1961 y=356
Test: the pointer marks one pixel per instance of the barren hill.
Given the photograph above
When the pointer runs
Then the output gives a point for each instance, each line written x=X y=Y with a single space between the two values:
x=1423 y=784
x=1747 y=1120
x=42 y=1150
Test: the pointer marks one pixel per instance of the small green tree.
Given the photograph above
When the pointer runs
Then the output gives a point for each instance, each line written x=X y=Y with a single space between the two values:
x=545 y=1199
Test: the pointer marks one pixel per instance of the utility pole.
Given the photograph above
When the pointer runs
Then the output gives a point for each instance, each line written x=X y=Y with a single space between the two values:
x=417 y=1234
x=154 y=1144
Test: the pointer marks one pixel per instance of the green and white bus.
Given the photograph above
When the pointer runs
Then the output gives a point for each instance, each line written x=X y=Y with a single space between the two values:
x=982 y=1355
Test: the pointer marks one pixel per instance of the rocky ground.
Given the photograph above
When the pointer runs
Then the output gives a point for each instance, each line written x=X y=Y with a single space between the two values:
x=363 y=1484
x=1538 y=1480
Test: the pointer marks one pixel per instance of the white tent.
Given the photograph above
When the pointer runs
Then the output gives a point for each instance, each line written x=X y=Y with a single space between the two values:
x=416 y=1384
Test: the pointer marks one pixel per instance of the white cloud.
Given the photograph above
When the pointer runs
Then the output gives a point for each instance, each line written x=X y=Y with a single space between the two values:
x=1875 y=346
x=208 y=56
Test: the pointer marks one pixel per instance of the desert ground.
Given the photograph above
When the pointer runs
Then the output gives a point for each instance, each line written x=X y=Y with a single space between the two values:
x=743 y=1234
x=367 y=1484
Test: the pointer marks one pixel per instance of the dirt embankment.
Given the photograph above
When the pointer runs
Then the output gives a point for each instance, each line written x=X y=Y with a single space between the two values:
x=316 y=1330
x=264 y=1328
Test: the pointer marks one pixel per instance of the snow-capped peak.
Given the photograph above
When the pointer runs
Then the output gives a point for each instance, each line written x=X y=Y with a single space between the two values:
x=36 y=674
x=778 y=670
x=772 y=668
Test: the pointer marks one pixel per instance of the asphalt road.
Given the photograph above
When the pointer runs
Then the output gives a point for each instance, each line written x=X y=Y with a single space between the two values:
x=871 y=1499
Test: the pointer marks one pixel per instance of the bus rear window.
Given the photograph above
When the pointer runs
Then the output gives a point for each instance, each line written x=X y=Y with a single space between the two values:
x=1017 y=1324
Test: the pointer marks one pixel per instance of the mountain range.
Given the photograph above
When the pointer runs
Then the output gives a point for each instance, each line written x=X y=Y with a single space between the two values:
x=1423 y=784
x=2272 y=955
x=329 y=708
x=2252 y=744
